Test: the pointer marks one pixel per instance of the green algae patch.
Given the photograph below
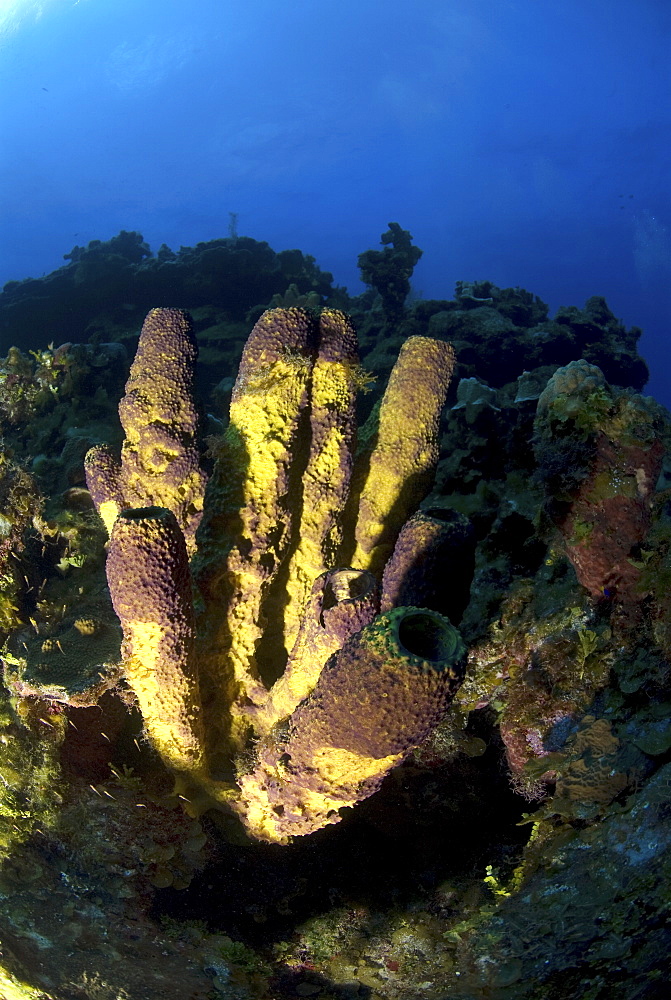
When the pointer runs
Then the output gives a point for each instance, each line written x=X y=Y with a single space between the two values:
x=30 y=775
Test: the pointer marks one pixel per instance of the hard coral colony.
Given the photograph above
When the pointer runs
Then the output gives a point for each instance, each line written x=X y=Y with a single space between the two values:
x=250 y=604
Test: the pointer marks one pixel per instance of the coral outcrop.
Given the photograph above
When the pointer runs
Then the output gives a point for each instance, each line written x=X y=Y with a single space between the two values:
x=600 y=454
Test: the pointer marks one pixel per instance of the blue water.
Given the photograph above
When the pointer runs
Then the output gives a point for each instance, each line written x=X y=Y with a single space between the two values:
x=523 y=141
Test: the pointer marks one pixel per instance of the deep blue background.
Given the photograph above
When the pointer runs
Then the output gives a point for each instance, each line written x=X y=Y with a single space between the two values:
x=523 y=141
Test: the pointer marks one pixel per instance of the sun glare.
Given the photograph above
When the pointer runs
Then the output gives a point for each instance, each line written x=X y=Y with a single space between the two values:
x=15 y=13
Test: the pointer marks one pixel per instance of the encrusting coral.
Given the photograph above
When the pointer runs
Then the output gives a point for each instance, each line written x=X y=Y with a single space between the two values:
x=222 y=590
x=601 y=497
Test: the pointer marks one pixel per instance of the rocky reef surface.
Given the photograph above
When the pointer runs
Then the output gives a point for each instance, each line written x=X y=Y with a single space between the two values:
x=155 y=844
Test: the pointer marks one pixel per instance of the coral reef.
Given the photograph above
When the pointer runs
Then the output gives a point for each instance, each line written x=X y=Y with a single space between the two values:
x=516 y=843
x=57 y=402
x=502 y=334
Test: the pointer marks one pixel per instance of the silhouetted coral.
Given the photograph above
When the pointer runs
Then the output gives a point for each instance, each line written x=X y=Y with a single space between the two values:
x=389 y=271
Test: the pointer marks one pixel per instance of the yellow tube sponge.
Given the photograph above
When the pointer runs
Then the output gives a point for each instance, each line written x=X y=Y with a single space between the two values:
x=277 y=495
x=375 y=700
x=325 y=480
x=247 y=527
x=395 y=473
x=150 y=586
x=159 y=459
x=284 y=640
x=341 y=603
